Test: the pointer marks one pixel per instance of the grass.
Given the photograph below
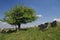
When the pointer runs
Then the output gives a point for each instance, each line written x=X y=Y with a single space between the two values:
x=33 y=34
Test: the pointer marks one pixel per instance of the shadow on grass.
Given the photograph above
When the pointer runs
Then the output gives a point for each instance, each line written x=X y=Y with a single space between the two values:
x=13 y=31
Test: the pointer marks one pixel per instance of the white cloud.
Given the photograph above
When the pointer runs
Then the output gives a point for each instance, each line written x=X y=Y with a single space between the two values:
x=39 y=15
x=57 y=19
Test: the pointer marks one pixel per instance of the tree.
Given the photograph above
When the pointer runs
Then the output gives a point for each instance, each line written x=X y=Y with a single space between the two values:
x=19 y=15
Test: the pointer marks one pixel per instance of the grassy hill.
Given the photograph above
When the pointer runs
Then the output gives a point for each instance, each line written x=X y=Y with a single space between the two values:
x=33 y=34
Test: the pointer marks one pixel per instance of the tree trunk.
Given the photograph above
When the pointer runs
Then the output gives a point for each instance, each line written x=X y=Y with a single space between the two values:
x=19 y=26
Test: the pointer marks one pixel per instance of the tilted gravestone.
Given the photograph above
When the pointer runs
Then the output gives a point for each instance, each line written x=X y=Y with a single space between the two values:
x=54 y=24
x=43 y=26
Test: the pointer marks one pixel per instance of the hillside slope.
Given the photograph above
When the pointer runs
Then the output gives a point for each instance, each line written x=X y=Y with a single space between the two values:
x=33 y=34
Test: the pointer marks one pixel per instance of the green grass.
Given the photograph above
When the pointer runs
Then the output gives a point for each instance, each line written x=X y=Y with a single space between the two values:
x=33 y=34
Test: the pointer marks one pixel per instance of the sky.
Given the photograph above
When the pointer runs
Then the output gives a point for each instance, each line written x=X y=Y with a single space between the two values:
x=48 y=9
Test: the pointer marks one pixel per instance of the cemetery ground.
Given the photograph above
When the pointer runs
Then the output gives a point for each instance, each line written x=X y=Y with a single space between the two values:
x=33 y=34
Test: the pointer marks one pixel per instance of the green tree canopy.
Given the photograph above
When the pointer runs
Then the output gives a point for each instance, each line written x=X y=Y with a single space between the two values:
x=20 y=15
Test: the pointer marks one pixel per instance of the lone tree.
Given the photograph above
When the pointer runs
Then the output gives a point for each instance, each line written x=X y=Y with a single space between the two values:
x=20 y=15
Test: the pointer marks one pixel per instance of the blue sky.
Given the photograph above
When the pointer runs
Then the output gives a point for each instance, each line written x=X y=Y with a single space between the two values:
x=49 y=9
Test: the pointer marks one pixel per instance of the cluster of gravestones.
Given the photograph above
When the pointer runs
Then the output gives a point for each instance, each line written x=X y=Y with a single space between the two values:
x=45 y=25
x=41 y=27
x=8 y=30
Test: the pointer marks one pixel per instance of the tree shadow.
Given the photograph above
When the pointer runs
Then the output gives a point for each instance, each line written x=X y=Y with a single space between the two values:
x=13 y=31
